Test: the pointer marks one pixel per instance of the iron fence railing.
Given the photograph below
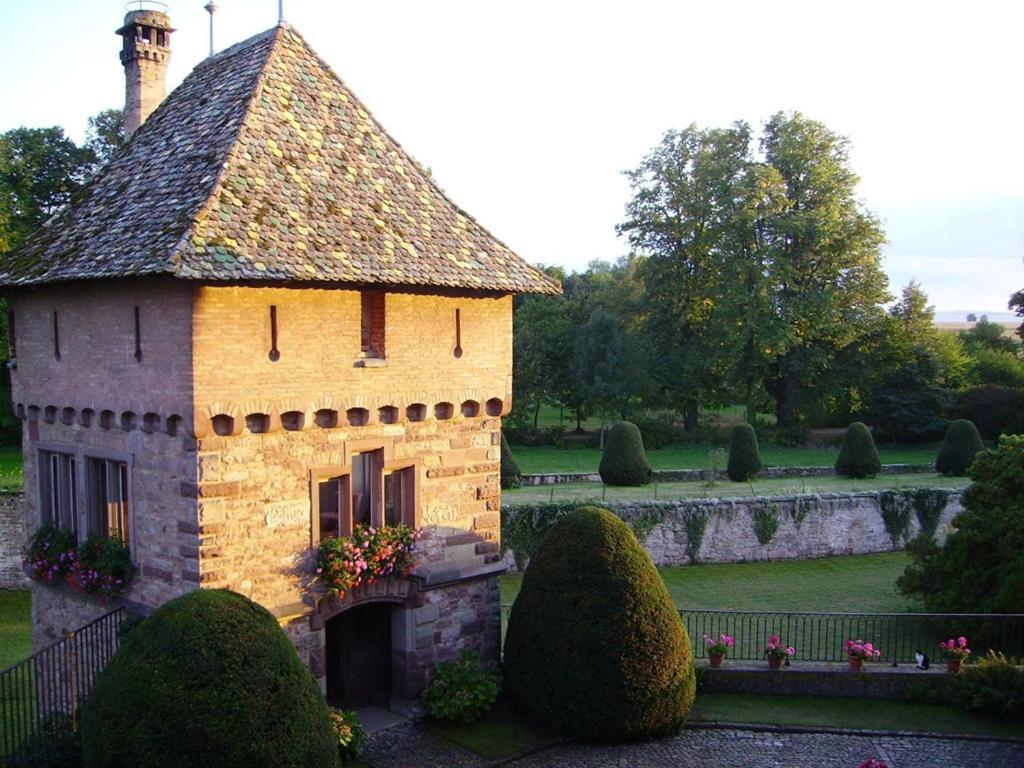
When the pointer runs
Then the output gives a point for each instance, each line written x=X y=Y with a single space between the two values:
x=54 y=682
x=822 y=636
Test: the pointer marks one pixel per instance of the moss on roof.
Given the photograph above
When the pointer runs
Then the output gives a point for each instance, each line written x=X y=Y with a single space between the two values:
x=262 y=165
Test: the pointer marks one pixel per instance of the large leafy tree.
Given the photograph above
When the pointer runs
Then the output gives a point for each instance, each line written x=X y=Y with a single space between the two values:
x=1017 y=305
x=679 y=219
x=826 y=265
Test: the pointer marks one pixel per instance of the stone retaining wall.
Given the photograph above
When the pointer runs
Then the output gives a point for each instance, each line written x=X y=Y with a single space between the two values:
x=13 y=538
x=876 y=681
x=680 y=532
x=695 y=475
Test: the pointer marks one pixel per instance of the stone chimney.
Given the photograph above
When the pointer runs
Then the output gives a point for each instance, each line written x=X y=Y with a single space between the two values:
x=144 y=55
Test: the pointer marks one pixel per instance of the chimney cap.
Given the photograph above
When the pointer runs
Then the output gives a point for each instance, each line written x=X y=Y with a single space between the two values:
x=147 y=13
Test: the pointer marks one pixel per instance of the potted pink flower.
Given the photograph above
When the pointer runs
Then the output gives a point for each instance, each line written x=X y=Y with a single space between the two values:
x=954 y=652
x=857 y=651
x=776 y=652
x=872 y=763
x=717 y=649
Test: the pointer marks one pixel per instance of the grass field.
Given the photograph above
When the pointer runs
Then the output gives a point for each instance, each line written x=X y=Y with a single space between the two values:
x=15 y=626
x=782 y=585
x=850 y=713
x=534 y=460
x=782 y=486
x=11 y=476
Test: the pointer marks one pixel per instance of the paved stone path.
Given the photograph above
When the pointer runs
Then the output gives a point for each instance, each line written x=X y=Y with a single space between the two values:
x=411 y=746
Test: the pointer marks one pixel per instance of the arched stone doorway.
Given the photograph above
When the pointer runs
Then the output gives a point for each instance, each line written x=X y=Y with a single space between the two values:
x=357 y=655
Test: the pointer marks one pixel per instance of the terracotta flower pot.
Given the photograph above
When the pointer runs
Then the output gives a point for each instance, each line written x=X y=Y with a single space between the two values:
x=856 y=662
x=716 y=659
x=953 y=665
x=774 y=662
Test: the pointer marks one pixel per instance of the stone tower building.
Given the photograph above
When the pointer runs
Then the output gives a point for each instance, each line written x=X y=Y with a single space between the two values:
x=260 y=324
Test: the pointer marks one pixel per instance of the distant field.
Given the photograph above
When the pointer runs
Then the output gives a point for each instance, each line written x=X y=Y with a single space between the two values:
x=542 y=459
x=1010 y=326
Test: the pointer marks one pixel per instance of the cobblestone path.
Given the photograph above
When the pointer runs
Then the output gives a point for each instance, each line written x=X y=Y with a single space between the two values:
x=410 y=746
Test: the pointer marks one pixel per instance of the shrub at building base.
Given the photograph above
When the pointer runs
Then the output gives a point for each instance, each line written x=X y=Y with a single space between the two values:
x=511 y=477
x=858 y=456
x=961 y=445
x=462 y=690
x=744 y=456
x=210 y=680
x=624 y=461
x=595 y=647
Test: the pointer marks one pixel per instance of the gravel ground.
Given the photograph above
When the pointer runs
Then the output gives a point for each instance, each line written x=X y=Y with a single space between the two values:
x=410 y=746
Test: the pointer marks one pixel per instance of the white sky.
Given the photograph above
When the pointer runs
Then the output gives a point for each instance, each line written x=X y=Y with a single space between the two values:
x=527 y=112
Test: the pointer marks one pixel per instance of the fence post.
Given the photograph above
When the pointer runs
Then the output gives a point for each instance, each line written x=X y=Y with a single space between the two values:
x=69 y=657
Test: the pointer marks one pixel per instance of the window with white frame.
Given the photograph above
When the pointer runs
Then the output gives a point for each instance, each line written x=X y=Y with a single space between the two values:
x=58 y=489
x=107 y=504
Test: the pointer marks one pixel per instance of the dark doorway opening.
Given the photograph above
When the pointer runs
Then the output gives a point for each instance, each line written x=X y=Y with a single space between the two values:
x=358 y=653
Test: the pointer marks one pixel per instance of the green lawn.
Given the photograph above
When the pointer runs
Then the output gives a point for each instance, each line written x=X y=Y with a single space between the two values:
x=15 y=626
x=783 y=585
x=782 y=486
x=849 y=713
x=544 y=459
x=501 y=733
x=11 y=476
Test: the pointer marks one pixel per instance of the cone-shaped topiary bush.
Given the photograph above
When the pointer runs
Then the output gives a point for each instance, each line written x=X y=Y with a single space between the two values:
x=210 y=680
x=744 y=456
x=511 y=477
x=858 y=456
x=595 y=646
x=961 y=444
x=624 y=461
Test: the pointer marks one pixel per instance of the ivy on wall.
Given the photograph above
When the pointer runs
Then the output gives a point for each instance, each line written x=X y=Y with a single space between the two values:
x=766 y=523
x=895 y=507
x=928 y=504
x=696 y=521
x=801 y=508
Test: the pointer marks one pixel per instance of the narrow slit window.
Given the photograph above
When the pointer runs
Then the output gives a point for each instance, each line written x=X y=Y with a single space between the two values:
x=275 y=353
x=12 y=335
x=458 y=333
x=56 y=336
x=138 y=336
x=372 y=321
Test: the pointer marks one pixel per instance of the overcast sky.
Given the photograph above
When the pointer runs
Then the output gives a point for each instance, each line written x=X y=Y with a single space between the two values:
x=527 y=112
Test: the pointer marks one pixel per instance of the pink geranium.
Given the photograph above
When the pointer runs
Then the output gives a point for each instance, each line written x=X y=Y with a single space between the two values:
x=720 y=646
x=775 y=648
x=858 y=649
x=955 y=649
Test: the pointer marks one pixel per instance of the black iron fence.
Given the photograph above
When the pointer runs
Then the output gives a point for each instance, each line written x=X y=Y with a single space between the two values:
x=42 y=694
x=822 y=636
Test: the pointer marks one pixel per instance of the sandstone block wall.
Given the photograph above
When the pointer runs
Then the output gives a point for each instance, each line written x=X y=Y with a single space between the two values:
x=55 y=612
x=13 y=538
x=164 y=540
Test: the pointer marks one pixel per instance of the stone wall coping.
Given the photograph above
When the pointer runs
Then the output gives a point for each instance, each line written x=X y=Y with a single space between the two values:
x=437 y=578
x=954 y=493
x=111 y=603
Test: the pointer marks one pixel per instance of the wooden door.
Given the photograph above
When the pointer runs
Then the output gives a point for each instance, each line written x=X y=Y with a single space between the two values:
x=358 y=649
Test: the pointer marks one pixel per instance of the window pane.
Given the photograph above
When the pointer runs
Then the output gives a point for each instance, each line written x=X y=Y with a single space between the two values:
x=57 y=489
x=108 y=498
x=399 y=495
x=329 y=507
x=362 y=488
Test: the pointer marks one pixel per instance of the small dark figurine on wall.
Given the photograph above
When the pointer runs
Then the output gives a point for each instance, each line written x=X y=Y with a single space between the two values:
x=922 y=660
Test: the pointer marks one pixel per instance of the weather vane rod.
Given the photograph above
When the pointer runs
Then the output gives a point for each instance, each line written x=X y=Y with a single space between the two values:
x=280 y=11
x=210 y=8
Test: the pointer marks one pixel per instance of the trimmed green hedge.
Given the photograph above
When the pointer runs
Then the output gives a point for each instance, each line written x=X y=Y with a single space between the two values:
x=624 y=461
x=744 y=455
x=209 y=680
x=961 y=444
x=595 y=647
x=858 y=456
x=511 y=477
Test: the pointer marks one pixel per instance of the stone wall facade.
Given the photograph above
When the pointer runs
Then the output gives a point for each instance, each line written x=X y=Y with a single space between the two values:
x=55 y=612
x=13 y=538
x=808 y=526
x=226 y=402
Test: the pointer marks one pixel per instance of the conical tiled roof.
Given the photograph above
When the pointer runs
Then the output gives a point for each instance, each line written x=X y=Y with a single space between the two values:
x=263 y=166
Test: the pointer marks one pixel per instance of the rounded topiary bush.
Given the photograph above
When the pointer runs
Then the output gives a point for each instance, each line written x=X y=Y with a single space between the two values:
x=210 y=680
x=961 y=444
x=858 y=456
x=511 y=477
x=624 y=461
x=595 y=646
x=744 y=455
